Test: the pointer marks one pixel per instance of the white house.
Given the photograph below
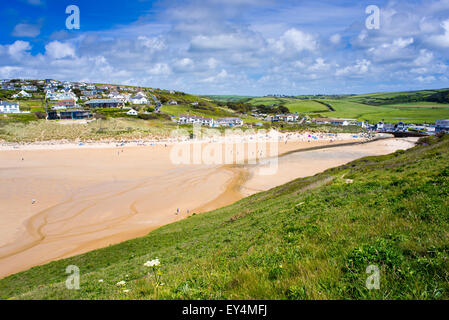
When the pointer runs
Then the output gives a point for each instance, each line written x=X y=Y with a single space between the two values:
x=379 y=126
x=228 y=122
x=442 y=125
x=137 y=99
x=22 y=94
x=173 y=102
x=132 y=112
x=362 y=124
x=29 y=88
x=9 y=107
x=140 y=94
x=287 y=117
x=187 y=118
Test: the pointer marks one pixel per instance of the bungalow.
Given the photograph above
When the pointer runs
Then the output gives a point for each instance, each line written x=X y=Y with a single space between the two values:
x=9 y=107
x=187 y=118
x=379 y=126
x=104 y=103
x=29 y=88
x=322 y=120
x=342 y=122
x=89 y=93
x=388 y=127
x=132 y=112
x=69 y=115
x=228 y=122
x=442 y=125
x=121 y=97
x=286 y=117
x=362 y=124
x=138 y=99
x=8 y=87
x=400 y=126
x=22 y=94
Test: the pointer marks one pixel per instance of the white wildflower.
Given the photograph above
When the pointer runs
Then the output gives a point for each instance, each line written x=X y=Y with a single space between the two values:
x=152 y=263
x=101 y=280
x=121 y=283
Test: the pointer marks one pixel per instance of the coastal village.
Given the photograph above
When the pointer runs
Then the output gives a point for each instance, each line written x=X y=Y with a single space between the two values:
x=65 y=100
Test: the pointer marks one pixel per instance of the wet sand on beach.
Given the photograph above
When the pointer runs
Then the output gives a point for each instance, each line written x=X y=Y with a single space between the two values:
x=89 y=198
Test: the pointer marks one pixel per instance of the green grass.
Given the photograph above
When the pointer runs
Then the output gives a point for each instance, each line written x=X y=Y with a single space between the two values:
x=390 y=113
x=312 y=238
x=382 y=98
x=372 y=107
x=306 y=107
x=228 y=98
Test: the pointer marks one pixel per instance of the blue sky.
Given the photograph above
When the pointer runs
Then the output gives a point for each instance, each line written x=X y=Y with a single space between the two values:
x=246 y=47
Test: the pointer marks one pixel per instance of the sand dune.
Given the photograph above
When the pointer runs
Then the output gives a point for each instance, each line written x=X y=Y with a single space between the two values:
x=88 y=198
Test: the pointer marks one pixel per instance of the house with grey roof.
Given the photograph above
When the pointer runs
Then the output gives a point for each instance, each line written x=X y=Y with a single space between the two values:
x=104 y=103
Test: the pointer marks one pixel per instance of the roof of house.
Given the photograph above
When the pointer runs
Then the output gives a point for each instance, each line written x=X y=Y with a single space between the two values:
x=103 y=101
x=229 y=119
x=6 y=103
x=192 y=116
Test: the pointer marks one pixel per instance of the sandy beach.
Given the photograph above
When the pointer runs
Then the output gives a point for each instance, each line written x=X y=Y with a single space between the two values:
x=60 y=200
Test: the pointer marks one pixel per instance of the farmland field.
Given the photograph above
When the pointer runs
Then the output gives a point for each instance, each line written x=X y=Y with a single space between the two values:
x=411 y=112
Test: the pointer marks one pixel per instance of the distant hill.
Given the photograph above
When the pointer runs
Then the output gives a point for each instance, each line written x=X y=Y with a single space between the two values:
x=437 y=95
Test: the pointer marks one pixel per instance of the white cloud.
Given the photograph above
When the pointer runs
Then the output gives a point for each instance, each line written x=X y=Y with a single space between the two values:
x=155 y=44
x=335 y=38
x=26 y=30
x=159 y=69
x=59 y=50
x=295 y=40
x=319 y=65
x=426 y=79
x=18 y=48
x=226 y=42
x=220 y=76
x=424 y=58
x=442 y=40
x=361 y=67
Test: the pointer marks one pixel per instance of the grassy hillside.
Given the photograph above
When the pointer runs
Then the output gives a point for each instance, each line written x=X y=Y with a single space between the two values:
x=410 y=113
x=312 y=238
x=358 y=107
x=384 y=98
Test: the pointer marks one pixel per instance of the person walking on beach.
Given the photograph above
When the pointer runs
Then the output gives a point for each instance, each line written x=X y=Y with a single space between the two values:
x=177 y=211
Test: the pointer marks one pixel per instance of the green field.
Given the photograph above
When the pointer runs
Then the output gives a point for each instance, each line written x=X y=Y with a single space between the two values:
x=383 y=98
x=389 y=113
x=351 y=107
x=312 y=238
